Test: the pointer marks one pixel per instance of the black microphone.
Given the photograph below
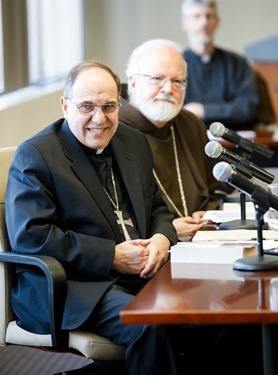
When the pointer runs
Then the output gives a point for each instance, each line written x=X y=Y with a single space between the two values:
x=224 y=172
x=214 y=149
x=218 y=130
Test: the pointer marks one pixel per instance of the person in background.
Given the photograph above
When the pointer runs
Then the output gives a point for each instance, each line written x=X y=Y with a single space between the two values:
x=82 y=190
x=221 y=84
x=156 y=73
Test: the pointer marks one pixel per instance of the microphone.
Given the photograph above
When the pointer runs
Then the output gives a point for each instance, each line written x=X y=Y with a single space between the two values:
x=218 y=130
x=224 y=172
x=214 y=149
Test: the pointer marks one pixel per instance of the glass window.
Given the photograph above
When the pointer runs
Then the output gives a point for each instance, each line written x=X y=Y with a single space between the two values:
x=55 y=35
x=40 y=41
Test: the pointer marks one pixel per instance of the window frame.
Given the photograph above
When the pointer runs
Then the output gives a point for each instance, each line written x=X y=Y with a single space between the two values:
x=15 y=45
x=24 y=59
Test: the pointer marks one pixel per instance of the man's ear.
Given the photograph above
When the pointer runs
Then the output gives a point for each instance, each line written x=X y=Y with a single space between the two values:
x=131 y=82
x=183 y=24
x=64 y=106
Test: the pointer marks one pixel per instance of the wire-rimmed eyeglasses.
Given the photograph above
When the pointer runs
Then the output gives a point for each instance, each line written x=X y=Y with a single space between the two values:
x=161 y=81
x=89 y=109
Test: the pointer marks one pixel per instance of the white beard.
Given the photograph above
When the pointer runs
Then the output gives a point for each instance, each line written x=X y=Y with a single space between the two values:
x=156 y=110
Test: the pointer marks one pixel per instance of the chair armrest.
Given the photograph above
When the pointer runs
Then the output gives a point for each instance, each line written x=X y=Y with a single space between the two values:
x=57 y=288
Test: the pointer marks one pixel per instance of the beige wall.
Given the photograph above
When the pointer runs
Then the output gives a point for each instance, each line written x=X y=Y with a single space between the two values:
x=20 y=121
x=114 y=27
x=118 y=26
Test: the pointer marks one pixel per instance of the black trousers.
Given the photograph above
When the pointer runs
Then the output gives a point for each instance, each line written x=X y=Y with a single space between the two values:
x=221 y=349
x=175 y=349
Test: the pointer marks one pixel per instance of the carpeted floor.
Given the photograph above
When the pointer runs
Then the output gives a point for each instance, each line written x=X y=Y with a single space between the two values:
x=20 y=360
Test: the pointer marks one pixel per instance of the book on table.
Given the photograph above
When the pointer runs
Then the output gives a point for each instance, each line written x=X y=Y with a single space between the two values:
x=208 y=259
x=221 y=248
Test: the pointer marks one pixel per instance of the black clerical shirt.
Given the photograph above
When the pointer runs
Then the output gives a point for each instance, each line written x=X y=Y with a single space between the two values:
x=103 y=162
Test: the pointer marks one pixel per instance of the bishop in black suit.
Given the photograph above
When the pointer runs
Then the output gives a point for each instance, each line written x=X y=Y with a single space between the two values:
x=61 y=201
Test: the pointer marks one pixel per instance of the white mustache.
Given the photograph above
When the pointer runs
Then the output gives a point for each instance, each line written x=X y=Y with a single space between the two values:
x=170 y=98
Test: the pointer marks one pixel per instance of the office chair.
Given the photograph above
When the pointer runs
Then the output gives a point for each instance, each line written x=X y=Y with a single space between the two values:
x=265 y=113
x=87 y=344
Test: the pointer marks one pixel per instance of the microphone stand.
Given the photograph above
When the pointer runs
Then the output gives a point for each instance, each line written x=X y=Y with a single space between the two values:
x=243 y=223
x=260 y=262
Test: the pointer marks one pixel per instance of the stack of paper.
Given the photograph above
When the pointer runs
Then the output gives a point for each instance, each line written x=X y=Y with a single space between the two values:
x=233 y=235
x=223 y=216
x=195 y=260
x=215 y=253
x=232 y=211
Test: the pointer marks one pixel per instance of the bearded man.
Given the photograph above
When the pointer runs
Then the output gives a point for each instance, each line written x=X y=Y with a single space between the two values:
x=153 y=103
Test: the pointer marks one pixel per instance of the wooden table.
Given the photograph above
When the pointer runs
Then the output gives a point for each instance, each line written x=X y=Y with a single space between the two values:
x=236 y=299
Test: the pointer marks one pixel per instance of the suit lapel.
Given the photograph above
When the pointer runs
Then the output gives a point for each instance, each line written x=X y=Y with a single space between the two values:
x=82 y=167
x=130 y=176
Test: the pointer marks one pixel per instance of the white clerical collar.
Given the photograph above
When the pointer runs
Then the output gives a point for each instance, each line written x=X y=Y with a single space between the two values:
x=205 y=58
x=99 y=151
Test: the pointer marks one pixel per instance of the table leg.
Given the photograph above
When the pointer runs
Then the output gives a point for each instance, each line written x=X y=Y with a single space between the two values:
x=270 y=348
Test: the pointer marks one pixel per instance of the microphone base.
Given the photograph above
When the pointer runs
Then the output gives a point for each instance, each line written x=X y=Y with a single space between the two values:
x=257 y=263
x=238 y=224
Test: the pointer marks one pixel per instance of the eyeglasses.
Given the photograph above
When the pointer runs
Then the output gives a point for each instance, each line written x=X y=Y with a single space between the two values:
x=90 y=109
x=160 y=81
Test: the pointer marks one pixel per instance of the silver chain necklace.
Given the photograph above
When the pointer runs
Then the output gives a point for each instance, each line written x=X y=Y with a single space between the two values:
x=179 y=180
x=117 y=211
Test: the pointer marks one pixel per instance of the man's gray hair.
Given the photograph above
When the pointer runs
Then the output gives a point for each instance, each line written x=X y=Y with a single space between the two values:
x=144 y=50
x=187 y=3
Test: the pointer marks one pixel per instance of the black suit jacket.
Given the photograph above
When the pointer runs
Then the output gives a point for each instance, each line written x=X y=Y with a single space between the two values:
x=55 y=205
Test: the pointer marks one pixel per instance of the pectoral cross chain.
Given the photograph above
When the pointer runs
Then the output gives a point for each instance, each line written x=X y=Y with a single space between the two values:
x=123 y=223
